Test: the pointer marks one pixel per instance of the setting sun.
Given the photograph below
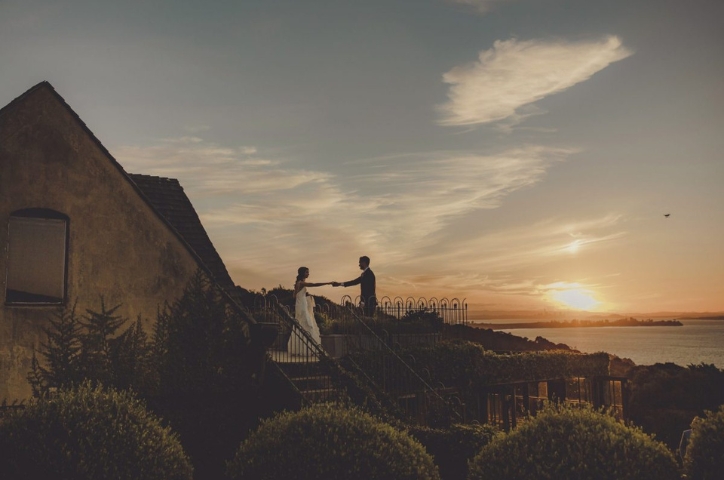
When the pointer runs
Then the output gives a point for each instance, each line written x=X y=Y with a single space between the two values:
x=577 y=298
x=574 y=246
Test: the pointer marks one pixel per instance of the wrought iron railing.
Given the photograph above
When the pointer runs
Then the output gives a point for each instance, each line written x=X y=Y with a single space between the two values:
x=296 y=355
x=420 y=401
x=451 y=311
x=370 y=352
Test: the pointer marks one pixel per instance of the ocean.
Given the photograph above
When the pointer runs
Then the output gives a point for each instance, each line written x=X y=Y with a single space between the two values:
x=695 y=342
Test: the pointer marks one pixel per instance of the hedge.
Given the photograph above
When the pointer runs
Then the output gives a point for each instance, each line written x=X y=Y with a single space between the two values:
x=89 y=433
x=460 y=363
x=705 y=455
x=330 y=441
x=572 y=444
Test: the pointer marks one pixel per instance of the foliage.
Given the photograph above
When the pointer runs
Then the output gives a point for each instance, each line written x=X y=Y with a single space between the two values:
x=454 y=446
x=132 y=360
x=98 y=343
x=201 y=342
x=90 y=348
x=61 y=353
x=197 y=371
x=206 y=366
x=467 y=365
x=468 y=368
x=368 y=396
x=425 y=319
x=666 y=397
x=460 y=363
x=330 y=441
x=574 y=443
x=418 y=321
x=500 y=341
x=89 y=433
x=705 y=455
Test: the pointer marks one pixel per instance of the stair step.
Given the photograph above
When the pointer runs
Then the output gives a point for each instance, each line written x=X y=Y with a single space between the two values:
x=283 y=357
x=319 y=390
x=323 y=378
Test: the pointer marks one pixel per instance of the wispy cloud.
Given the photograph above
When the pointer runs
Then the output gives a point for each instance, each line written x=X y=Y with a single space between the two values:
x=481 y=6
x=209 y=169
x=523 y=264
x=508 y=78
x=267 y=214
x=549 y=240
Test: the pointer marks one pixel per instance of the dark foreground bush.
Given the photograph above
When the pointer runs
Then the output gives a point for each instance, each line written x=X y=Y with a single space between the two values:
x=89 y=433
x=453 y=447
x=329 y=441
x=705 y=454
x=574 y=444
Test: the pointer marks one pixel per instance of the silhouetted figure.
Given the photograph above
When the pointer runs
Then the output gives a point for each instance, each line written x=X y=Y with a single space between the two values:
x=367 y=285
x=304 y=313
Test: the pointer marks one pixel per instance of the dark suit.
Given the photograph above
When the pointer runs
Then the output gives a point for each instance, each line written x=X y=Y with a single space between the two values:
x=367 y=285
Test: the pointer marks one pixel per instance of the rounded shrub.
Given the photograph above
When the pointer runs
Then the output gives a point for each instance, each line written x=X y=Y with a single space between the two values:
x=572 y=444
x=89 y=433
x=705 y=454
x=330 y=441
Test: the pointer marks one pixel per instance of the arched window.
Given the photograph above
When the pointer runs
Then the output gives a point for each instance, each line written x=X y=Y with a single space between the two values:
x=37 y=251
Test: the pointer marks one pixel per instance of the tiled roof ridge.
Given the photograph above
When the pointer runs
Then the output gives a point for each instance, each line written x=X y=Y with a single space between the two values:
x=168 y=197
x=144 y=175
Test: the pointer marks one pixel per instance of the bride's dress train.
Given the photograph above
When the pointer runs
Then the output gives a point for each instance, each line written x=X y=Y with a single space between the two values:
x=304 y=314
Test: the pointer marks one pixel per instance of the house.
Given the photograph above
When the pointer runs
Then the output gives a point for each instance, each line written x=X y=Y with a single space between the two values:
x=75 y=225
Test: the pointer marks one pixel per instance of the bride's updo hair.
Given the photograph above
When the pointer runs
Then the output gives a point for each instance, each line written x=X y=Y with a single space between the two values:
x=300 y=273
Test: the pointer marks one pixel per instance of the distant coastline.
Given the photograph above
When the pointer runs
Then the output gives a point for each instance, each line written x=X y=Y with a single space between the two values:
x=621 y=322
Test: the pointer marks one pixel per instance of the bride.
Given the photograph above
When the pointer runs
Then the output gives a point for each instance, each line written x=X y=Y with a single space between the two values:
x=304 y=313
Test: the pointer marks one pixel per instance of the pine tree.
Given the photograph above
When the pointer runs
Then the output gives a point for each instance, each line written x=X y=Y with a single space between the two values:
x=131 y=363
x=96 y=343
x=61 y=353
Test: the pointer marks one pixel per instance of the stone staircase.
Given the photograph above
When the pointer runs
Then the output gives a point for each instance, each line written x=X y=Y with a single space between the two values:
x=309 y=376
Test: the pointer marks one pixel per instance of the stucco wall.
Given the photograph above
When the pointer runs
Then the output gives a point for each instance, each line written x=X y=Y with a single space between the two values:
x=117 y=245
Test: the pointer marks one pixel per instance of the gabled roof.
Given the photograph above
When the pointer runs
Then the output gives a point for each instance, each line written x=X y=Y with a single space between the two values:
x=168 y=198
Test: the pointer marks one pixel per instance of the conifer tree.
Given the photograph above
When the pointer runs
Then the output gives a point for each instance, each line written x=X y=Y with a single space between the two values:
x=96 y=343
x=131 y=362
x=61 y=353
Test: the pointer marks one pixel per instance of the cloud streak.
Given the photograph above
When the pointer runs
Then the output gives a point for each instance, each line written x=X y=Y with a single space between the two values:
x=505 y=80
x=481 y=6
x=392 y=208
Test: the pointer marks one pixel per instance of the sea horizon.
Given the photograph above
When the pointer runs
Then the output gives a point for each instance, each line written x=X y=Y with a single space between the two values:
x=697 y=341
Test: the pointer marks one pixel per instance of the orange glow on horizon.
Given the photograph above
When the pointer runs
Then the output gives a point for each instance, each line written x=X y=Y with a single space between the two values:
x=575 y=298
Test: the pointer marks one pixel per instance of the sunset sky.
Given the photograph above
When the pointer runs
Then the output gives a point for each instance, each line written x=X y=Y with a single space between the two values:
x=520 y=154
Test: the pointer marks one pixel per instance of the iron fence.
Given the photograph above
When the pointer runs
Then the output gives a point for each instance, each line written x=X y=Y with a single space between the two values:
x=296 y=355
x=452 y=311
x=371 y=351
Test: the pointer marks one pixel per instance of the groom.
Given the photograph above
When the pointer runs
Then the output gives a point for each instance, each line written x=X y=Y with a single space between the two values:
x=367 y=284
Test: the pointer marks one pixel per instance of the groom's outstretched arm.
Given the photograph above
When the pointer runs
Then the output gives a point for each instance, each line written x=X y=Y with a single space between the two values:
x=356 y=281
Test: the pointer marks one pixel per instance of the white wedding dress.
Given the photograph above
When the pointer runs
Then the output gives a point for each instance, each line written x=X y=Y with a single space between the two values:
x=304 y=314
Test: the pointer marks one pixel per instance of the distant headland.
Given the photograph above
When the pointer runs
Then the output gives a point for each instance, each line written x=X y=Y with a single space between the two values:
x=620 y=322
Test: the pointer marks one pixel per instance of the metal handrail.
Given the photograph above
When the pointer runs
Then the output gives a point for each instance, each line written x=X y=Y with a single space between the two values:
x=427 y=389
x=306 y=343
x=396 y=385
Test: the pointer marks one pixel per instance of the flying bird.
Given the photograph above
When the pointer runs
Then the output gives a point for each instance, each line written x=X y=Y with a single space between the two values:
x=667 y=215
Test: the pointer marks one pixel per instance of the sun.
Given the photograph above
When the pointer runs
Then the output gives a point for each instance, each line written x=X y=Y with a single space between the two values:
x=574 y=246
x=576 y=298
